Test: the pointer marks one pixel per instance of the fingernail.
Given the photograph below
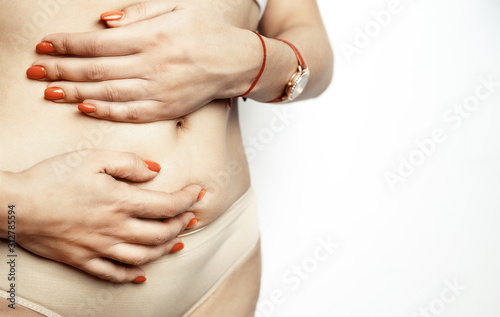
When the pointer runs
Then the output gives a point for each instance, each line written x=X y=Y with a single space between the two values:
x=201 y=194
x=177 y=247
x=192 y=223
x=45 y=48
x=53 y=93
x=140 y=279
x=35 y=72
x=153 y=166
x=112 y=15
x=86 y=107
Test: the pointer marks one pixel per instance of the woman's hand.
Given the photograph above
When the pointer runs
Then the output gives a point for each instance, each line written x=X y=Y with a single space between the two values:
x=85 y=216
x=161 y=60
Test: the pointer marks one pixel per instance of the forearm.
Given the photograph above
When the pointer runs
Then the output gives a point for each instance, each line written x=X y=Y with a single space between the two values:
x=308 y=34
x=282 y=63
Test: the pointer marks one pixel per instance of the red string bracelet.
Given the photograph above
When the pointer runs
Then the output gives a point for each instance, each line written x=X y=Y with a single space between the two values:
x=264 y=48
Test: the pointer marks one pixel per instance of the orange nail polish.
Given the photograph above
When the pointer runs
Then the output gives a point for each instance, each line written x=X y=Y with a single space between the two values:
x=86 y=107
x=53 y=93
x=177 y=247
x=153 y=166
x=45 y=48
x=140 y=279
x=35 y=72
x=112 y=15
x=201 y=194
x=192 y=223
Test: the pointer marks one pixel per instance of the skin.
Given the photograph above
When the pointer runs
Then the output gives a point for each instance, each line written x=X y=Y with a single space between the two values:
x=186 y=128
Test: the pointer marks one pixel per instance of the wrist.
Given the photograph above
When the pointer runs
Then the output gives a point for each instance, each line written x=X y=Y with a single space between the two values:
x=9 y=190
x=281 y=65
x=246 y=63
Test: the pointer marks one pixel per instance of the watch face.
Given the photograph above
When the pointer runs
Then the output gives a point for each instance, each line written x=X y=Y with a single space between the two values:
x=299 y=84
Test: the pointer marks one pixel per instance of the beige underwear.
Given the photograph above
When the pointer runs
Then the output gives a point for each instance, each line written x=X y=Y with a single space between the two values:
x=177 y=283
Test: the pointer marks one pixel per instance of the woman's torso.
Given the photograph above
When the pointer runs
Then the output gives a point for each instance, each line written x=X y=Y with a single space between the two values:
x=204 y=149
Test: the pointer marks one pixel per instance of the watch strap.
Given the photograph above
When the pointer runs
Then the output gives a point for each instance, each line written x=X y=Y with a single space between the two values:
x=300 y=58
x=302 y=64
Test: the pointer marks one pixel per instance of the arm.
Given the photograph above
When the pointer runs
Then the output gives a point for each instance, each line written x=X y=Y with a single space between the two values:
x=174 y=57
x=300 y=23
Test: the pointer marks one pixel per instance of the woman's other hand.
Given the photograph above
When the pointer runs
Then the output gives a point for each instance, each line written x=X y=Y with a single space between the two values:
x=159 y=60
x=88 y=217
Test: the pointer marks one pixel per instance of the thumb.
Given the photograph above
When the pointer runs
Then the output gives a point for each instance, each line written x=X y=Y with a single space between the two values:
x=138 y=12
x=127 y=166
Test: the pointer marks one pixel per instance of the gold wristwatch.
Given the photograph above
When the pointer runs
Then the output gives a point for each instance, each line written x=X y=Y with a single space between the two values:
x=298 y=81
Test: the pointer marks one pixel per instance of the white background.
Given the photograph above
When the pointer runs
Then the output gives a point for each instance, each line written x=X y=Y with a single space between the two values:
x=322 y=175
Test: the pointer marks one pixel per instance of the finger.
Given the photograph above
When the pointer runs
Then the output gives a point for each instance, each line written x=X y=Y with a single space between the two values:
x=89 y=69
x=125 y=166
x=107 y=42
x=138 y=12
x=137 y=255
x=111 y=90
x=155 y=232
x=133 y=111
x=107 y=270
x=159 y=205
